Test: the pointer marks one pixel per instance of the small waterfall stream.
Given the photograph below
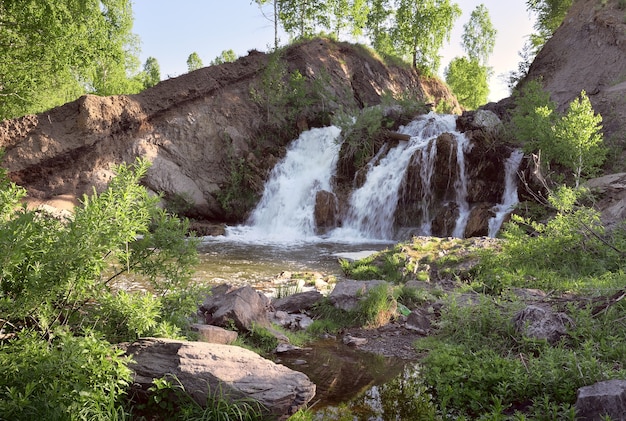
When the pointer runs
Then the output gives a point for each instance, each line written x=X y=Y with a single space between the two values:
x=509 y=197
x=373 y=206
x=286 y=211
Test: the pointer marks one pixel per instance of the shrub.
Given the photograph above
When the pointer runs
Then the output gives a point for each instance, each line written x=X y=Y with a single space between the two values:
x=56 y=278
x=67 y=377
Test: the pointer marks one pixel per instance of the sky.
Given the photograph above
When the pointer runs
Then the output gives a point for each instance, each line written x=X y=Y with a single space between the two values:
x=171 y=31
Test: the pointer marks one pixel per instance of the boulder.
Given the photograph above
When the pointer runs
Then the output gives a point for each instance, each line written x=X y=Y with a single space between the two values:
x=596 y=402
x=418 y=321
x=486 y=120
x=297 y=302
x=243 y=306
x=325 y=213
x=296 y=321
x=205 y=369
x=347 y=294
x=612 y=202
x=542 y=323
x=214 y=334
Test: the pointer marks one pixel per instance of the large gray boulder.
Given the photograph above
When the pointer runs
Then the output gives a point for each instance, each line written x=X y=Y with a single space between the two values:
x=347 y=294
x=297 y=303
x=542 y=323
x=235 y=372
x=245 y=307
x=597 y=401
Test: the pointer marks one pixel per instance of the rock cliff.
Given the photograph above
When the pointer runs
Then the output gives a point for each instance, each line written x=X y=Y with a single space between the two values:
x=588 y=52
x=211 y=135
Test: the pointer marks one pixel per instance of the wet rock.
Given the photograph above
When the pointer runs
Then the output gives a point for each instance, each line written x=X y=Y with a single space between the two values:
x=297 y=321
x=596 y=402
x=325 y=213
x=478 y=220
x=235 y=372
x=347 y=294
x=244 y=307
x=214 y=334
x=542 y=323
x=282 y=348
x=418 y=321
x=298 y=302
x=353 y=341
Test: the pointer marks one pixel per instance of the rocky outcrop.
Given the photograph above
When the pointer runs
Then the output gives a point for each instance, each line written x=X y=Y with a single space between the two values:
x=602 y=400
x=538 y=322
x=347 y=294
x=244 y=307
x=232 y=372
x=209 y=134
x=612 y=203
x=588 y=52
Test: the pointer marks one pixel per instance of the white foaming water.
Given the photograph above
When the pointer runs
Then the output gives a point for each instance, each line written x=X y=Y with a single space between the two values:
x=373 y=206
x=285 y=212
x=509 y=196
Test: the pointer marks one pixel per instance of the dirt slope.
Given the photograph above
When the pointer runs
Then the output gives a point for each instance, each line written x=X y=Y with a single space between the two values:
x=198 y=129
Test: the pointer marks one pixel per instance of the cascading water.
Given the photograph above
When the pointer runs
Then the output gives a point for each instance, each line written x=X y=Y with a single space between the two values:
x=285 y=211
x=509 y=197
x=373 y=206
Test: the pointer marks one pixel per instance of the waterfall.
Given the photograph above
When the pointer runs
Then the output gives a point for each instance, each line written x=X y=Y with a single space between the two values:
x=373 y=206
x=285 y=211
x=509 y=196
x=436 y=185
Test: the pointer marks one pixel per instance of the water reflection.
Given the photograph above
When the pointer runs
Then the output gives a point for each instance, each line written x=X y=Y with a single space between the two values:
x=341 y=373
x=402 y=398
x=224 y=260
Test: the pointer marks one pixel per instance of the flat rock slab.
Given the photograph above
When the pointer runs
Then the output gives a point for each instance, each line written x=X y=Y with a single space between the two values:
x=204 y=368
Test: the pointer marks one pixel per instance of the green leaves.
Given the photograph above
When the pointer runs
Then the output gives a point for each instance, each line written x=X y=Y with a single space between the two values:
x=52 y=52
x=421 y=27
x=573 y=140
x=468 y=77
x=468 y=81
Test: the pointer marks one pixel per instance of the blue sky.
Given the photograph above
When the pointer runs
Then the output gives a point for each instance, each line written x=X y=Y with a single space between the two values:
x=170 y=31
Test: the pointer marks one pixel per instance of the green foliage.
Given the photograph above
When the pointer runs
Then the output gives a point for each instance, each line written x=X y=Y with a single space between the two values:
x=533 y=117
x=194 y=62
x=570 y=249
x=227 y=56
x=478 y=364
x=273 y=87
x=550 y=15
x=151 y=72
x=238 y=195
x=56 y=277
x=468 y=81
x=573 y=140
x=579 y=139
x=377 y=308
x=66 y=378
x=479 y=35
x=468 y=77
x=260 y=339
x=169 y=400
x=52 y=52
x=301 y=19
x=420 y=29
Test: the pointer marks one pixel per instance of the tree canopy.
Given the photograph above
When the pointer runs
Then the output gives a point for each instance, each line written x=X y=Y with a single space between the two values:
x=468 y=77
x=53 y=52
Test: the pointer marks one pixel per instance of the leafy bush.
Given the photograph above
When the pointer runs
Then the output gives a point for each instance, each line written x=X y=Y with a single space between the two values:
x=57 y=277
x=67 y=377
x=169 y=399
